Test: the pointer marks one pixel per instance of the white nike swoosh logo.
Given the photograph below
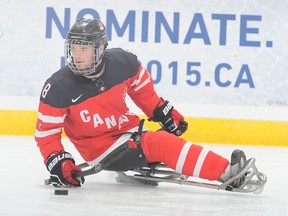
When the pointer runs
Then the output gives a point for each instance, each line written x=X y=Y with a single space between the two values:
x=74 y=100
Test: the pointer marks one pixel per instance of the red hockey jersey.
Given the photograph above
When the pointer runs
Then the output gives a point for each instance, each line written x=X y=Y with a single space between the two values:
x=93 y=111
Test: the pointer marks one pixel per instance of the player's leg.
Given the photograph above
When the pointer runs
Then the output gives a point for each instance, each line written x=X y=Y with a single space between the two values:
x=190 y=159
x=182 y=156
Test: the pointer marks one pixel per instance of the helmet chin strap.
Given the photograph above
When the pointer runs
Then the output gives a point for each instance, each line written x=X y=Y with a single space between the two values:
x=98 y=71
x=99 y=68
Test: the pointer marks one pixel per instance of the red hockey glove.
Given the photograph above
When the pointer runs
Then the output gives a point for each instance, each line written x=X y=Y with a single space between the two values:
x=169 y=118
x=61 y=166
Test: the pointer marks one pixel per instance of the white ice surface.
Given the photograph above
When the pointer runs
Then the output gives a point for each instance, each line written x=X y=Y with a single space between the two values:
x=23 y=191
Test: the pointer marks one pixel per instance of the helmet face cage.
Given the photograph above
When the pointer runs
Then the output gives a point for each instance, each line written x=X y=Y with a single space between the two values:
x=93 y=59
x=85 y=35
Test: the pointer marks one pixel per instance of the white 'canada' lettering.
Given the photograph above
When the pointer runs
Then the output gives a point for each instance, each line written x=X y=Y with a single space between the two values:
x=109 y=121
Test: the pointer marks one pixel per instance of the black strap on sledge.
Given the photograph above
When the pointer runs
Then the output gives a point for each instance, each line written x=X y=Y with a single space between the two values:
x=124 y=157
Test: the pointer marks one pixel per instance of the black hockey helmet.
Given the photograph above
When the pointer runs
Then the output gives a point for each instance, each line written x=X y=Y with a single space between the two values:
x=86 y=32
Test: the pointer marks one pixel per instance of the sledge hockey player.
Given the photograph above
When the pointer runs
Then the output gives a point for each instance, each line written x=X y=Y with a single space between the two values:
x=86 y=98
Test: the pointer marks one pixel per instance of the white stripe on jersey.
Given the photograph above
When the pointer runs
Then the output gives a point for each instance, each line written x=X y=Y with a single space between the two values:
x=142 y=84
x=199 y=163
x=51 y=119
x=182 y=157
x=137 y=81
x=40 y=134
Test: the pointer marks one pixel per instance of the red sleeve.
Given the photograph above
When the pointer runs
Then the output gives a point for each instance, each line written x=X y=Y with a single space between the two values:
x=142 y=91
x=49 y=126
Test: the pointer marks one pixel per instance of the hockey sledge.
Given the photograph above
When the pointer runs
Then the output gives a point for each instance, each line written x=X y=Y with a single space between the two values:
x=158 y=172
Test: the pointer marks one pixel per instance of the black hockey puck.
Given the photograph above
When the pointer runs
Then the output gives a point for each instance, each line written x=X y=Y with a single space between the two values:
x=61 y=192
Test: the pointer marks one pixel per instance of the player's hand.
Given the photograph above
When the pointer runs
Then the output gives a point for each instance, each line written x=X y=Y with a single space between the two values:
x=61 y=166
x=169 y=118
x=182 y=126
